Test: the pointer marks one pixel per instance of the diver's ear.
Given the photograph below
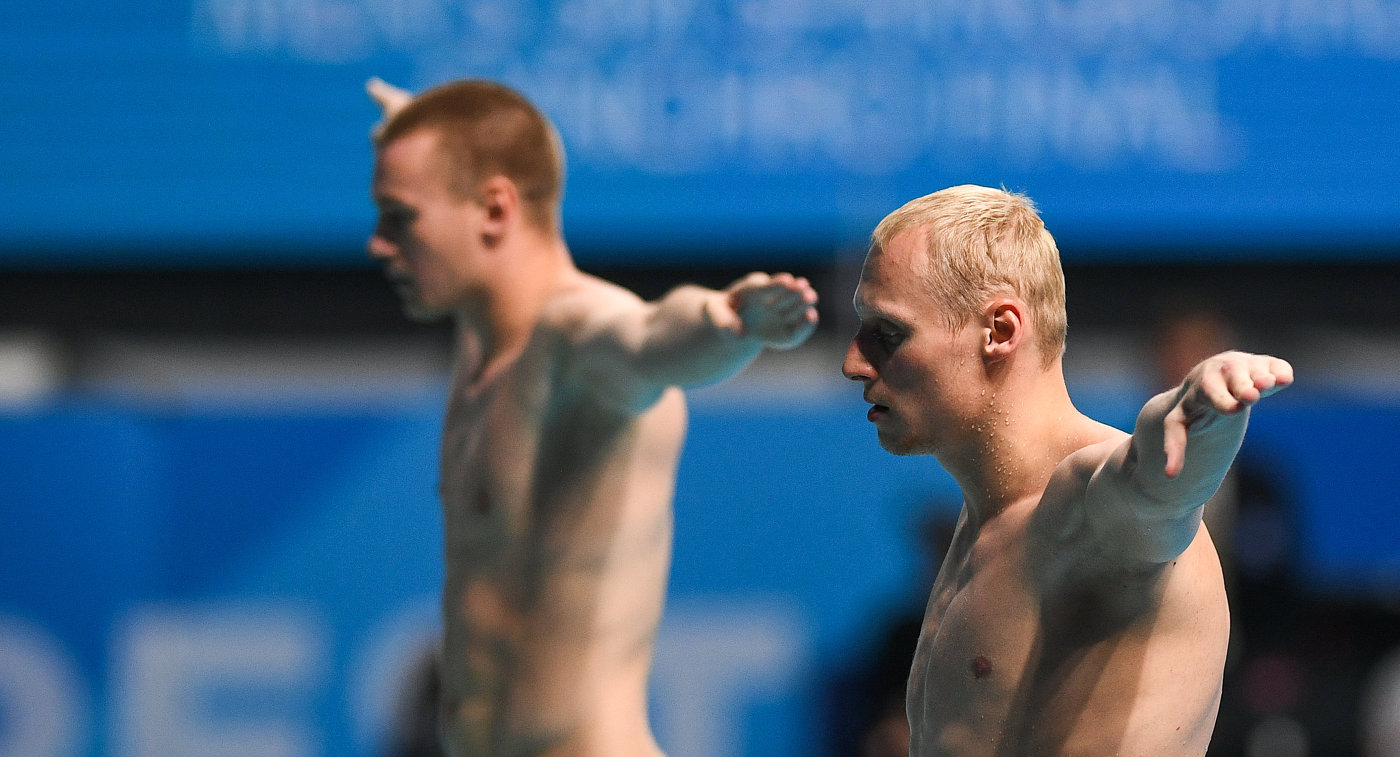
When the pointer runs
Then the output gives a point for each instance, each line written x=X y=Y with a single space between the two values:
x=500 y=202
x=1003 y=328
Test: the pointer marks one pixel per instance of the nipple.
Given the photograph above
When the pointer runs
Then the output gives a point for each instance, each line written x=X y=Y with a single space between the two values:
x=981 y=667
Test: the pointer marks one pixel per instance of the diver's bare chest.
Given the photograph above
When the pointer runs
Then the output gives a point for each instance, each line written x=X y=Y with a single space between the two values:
x=983 y=609
x=489 y=445
x=985 y=595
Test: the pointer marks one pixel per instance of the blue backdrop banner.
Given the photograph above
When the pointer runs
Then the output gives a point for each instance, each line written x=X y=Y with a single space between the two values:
x=236 y=131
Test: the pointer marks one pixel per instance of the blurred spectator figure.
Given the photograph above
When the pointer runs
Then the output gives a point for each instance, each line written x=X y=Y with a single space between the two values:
x=1380 y=710
x=865 y=703
x=416 y=722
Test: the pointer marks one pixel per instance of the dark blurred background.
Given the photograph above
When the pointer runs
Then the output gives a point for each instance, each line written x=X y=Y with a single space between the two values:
x=218 y=433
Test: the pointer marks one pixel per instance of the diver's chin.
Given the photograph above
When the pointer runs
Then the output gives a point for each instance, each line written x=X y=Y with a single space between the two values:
x=903 y=446
x=894 y=446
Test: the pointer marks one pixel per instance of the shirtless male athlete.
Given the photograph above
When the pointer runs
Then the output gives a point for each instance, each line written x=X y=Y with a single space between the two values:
x=1080 y=609
x=563 y=428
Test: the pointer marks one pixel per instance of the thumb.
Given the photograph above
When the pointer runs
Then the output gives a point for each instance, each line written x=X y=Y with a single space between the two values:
x=388 y=97
x=1174 y=441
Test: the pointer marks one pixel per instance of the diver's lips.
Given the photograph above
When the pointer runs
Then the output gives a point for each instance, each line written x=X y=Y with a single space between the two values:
x=876 y=412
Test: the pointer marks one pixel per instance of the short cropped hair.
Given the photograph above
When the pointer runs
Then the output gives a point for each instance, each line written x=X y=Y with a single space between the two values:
x=981 y=241
x=487 y=129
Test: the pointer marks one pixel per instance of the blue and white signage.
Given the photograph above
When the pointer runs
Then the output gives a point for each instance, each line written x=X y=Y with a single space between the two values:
x=239 y=129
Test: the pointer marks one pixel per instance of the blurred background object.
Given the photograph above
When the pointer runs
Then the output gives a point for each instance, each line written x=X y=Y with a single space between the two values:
x=218 y=433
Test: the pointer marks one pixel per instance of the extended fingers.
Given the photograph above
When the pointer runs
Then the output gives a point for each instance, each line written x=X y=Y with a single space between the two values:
x=782 y=300
x=779 y=309
x=779 y=292
x=1235 y=379
x=748 y=290
x=1239 y=378
x=1225 y=384
x=792 y=293
x=793 y=305
x=1280 y=371
x=800 y=304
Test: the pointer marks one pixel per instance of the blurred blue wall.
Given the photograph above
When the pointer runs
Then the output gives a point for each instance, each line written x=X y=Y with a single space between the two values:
x=135 y=132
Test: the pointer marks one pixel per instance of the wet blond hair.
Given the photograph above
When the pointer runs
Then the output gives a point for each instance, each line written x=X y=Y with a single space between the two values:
x=981 y=242
x=486 y=129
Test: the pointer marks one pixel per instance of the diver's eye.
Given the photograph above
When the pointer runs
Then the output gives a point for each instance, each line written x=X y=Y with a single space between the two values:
x=886 y=337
